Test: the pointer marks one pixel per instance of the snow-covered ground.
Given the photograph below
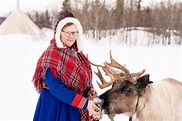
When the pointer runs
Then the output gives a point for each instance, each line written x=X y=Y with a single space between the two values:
x=19 y=53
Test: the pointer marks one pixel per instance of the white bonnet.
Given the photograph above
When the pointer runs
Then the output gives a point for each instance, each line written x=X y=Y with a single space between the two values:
x=60 y=21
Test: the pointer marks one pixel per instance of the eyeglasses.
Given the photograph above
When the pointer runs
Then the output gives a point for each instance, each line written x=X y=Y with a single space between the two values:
x=68 y=33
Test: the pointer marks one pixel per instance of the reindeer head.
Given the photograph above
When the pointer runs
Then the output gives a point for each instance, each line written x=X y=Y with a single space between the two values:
x=126 y=88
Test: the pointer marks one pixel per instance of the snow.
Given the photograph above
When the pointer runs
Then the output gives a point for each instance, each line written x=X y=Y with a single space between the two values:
x=19 y=54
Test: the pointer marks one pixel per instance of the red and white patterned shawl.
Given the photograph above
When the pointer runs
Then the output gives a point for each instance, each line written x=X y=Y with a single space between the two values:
x=75 y=72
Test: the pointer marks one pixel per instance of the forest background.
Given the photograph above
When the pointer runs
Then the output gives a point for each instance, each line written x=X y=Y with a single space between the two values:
x=162 y=19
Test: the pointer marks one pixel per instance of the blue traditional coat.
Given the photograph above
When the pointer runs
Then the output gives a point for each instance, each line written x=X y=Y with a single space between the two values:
x=58 y=103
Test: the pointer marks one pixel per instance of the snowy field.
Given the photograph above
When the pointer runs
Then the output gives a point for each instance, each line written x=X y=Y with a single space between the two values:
x=19 y=53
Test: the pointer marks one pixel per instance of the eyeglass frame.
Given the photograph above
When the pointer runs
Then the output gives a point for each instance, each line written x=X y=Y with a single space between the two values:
x=68 y=33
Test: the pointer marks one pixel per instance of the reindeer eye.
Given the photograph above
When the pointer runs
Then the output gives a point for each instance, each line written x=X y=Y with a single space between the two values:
x=127 y=91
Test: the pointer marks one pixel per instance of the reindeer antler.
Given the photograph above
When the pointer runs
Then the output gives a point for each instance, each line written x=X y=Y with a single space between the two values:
x=117 y=65
x=110 y=72
x=108 y=69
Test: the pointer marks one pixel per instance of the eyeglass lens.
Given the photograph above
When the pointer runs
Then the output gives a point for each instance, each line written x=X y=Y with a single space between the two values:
x=68 y=33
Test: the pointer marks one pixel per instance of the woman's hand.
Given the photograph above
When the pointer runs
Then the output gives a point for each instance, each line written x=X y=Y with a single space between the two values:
x=94 y=111
x=92 y=93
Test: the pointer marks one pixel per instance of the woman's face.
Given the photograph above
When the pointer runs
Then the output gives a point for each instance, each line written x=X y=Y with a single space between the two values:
x=69 y=35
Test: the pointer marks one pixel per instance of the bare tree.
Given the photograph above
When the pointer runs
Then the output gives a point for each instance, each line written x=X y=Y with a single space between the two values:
x=66 y=5
x=117 y=14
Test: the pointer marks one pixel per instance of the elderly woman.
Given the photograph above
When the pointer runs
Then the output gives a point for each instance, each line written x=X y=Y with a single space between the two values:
x=63 y=76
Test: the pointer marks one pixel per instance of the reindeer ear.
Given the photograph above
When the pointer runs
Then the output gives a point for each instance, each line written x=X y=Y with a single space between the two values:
x=142 y=82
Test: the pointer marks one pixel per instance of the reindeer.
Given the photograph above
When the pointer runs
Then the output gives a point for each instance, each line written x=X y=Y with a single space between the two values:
x=136 y=96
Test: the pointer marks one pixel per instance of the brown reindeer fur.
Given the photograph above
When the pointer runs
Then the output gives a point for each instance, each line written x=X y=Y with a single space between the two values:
x=159 y=101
